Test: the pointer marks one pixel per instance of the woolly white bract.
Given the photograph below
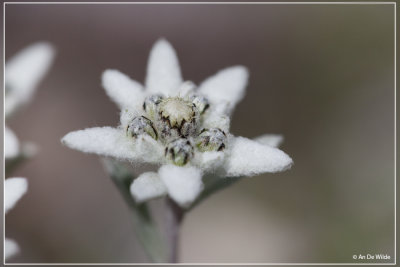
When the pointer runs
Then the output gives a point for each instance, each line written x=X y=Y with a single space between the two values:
x=14 y=189
x=23 y=72
x=185 y=129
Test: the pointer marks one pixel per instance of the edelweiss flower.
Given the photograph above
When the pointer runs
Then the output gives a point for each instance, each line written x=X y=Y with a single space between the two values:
x=22 y=74
x=14 y=189
x=182 y=127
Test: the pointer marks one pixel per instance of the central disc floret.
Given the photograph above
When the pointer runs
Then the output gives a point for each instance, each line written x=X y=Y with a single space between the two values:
x=177 y=118
x=177 y=111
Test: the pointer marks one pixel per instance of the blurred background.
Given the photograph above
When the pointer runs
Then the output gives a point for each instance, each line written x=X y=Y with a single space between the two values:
x=321 y=75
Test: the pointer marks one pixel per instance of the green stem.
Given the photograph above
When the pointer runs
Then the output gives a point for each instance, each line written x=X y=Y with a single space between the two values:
x=174 y=218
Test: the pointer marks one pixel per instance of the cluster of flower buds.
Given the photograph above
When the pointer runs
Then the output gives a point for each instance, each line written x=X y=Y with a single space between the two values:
x=176 y=122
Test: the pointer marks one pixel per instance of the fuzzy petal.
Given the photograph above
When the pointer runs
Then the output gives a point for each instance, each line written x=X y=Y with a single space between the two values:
x=227 y=87
x=150 y=150
x=14 y=189
x=147 y=186
x=11 y=144
x=216 y=119
x=274 y=140
x=24 y=71
x=163 y=71
x=186 y=89
x=209 y=161
x=247 y=158
x=10 y=248
x=183 y=183
x=108 y=141
x=125 y=92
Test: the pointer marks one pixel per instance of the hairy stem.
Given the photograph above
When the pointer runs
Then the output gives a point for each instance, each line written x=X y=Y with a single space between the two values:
x=174 y=219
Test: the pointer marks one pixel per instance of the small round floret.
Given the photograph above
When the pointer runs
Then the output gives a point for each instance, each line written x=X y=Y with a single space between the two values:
x=150 y=105
x=200 y=102
x=141 y=125
x=178 y=118
x=213 y=139
x=179 y=151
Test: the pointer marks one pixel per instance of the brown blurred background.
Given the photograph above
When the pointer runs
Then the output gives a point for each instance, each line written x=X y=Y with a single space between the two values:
x=321 y=75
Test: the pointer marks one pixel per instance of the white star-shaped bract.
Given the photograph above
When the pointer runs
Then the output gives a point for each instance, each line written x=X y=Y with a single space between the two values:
x=23 y=72
x=14 y=189
x=238 y=156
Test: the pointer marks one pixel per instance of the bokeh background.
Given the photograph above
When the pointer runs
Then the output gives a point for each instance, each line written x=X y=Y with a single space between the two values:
x=321 y=75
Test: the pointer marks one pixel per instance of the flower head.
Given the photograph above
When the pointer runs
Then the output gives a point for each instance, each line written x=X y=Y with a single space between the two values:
x=22 y=74
x=179 y=126
x=14 y=189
